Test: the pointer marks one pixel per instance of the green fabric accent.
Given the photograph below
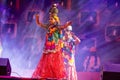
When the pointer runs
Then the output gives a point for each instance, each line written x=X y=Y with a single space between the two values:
x=56 y=36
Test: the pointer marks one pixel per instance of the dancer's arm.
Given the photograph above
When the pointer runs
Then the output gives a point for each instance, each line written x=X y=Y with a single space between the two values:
x=77 y=40
x=38 y=22
x=66 y=25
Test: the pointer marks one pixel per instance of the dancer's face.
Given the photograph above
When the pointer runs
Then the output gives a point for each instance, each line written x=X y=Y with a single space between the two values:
x=52 y=20
x=68 y=34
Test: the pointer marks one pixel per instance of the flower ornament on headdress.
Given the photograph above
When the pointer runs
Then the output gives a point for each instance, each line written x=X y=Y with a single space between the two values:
x=53 y=10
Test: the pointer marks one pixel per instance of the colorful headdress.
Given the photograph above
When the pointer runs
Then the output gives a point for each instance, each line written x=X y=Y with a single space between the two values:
x=53 y=12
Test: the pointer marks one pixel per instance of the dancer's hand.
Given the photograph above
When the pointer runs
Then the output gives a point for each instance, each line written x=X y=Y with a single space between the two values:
x=37 y=15
x=69 y=23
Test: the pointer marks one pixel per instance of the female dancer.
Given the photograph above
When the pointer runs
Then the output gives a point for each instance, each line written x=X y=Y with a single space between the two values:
x=70 y=41
x=51 y=64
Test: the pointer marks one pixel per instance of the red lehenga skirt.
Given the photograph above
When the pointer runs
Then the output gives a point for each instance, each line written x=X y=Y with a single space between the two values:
x=51 y=65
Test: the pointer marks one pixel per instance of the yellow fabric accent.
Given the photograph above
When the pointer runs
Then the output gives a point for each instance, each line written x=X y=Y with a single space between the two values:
x=71 y=61
x=56 y=18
